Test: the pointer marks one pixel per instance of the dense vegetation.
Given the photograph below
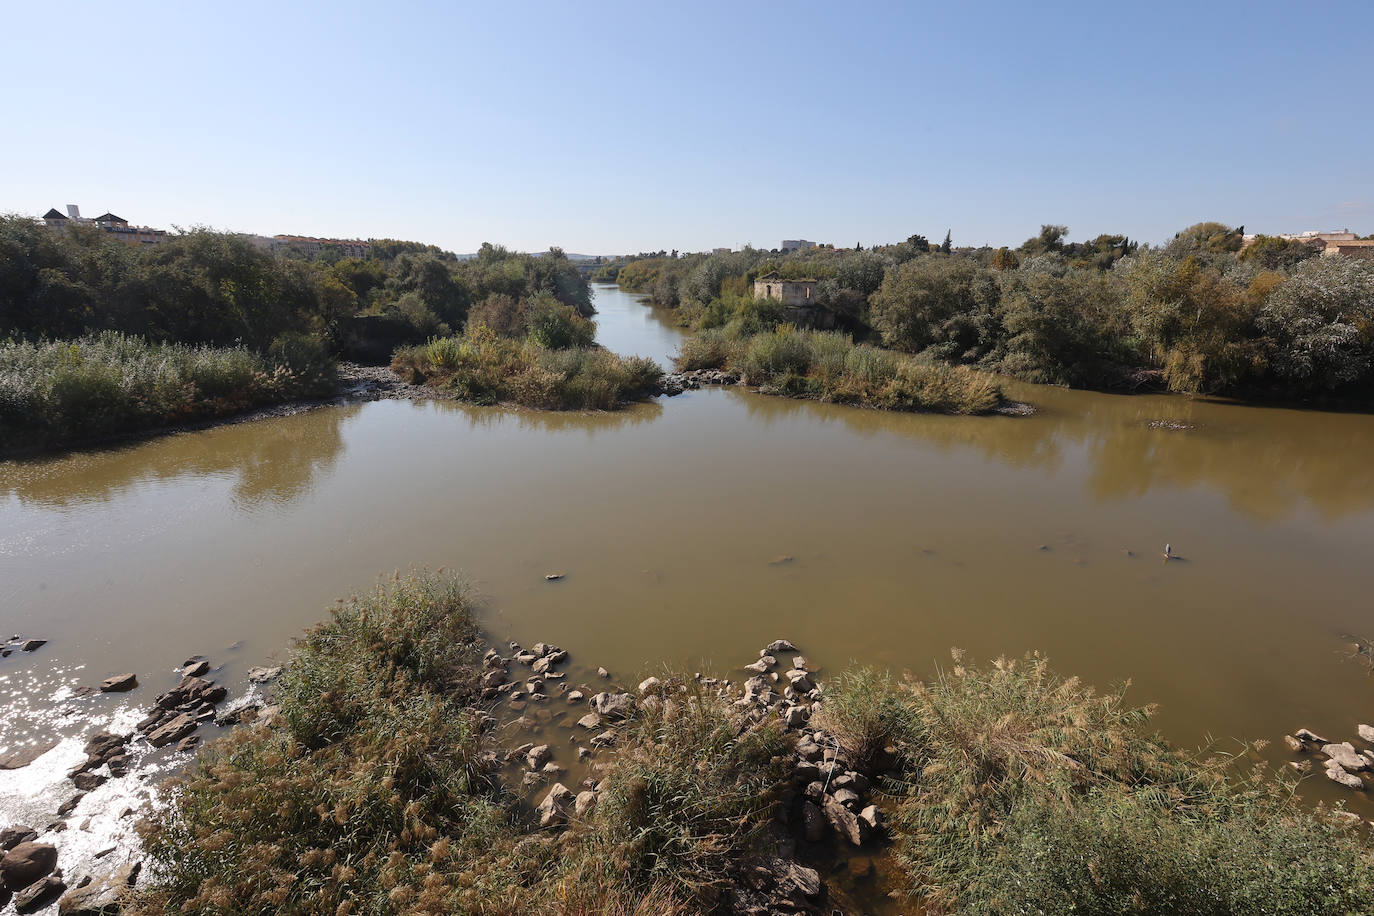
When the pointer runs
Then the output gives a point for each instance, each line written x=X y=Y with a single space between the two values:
x=1201 y=314
x=1010 y=790
x=371 y=795
x=105 y=339
x=95 y=387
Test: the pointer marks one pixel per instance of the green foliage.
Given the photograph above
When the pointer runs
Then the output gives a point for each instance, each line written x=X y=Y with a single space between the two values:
x=484 y=368
x=555 y=326
x=370 y=798
x=828 y=366
x=1274 y=253
x=944 y=305
x=58 y=393
x=867 y=712
x=1024 y=791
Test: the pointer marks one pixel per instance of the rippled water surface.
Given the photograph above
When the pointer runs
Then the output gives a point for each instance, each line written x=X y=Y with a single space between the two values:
x=695 y=529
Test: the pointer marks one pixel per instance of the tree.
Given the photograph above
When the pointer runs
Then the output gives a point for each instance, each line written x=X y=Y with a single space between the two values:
x=919 y=243
x=1005 y=259
x=947 y=245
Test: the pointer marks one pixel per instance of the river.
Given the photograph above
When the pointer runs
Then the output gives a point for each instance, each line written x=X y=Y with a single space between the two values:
x=693 y=530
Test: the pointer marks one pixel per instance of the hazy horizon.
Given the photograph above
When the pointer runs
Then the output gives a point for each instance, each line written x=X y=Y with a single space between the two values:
x=613 y=128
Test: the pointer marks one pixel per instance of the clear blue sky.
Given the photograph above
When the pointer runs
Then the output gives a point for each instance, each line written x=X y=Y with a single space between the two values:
x=609 y=127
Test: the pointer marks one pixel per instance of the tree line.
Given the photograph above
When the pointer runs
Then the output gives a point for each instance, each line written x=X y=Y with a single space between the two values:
x=1204 y=313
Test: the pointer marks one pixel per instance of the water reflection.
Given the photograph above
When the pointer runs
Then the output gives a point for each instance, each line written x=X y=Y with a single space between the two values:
x=552 y=421
x=268 y=461
x=1268 y=463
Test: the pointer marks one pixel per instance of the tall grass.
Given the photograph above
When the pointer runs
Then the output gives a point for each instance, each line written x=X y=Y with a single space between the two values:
x=57 y=392
x=483 y=367
x=1021 y=791
x=370 y=798
x=829 y=366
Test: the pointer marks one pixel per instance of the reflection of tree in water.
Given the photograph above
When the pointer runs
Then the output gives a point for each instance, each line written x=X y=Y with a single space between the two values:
x=1268 y=462
x=553 y=421
x=270 y=460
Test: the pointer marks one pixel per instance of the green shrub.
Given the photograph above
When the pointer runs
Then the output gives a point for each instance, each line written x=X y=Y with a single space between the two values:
x=555 y=326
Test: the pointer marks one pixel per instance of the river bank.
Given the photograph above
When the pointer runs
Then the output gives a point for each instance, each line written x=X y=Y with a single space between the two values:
x=441 y=774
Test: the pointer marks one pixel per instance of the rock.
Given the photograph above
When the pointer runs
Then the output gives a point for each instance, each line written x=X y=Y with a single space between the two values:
x=845 y=822
x=541 y=665
x=806 y=881
x=1337 y=774
x=262 y=675
x=872 y=816
x=1346 y=755
x=1365 y=732
x=649 y=684
x=196 y=668
x=494 y=677
x=779 y=645
x=551 y=809
x=119 y=683
x=553 y=577
x=590 y=721
x=800 y=663
x=101 y=897
x=39 y=894
x=809 y=750
x=557 y=656
x=1294 y=744
x=174 y=730
x=68 y=806
x=583 y=753
x=25 y=755
x=813 y=822
x=188 y=744
x=614 y=705
x=537 y=756
x=30 y=645
x=847 y=797
x=11 y=837
x=268 y=715
x=605 y=739
x=602 y=673
x=87 y=781
x=795 y=716
x=576 y=696
x=1310 y=737
x=799 y=681
x=585 y=803
x=26 y=863
x=762 y=665
x=213 y=694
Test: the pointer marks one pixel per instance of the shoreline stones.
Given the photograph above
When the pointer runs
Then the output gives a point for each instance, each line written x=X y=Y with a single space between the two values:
x=1343 y=763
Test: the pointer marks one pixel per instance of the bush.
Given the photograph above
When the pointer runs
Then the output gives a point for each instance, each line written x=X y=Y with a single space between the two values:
x=555 y=326
x=1028 y=792
x=370 y=799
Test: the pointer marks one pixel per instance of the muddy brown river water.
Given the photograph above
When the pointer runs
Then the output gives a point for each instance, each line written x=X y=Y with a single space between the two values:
x=693 y=530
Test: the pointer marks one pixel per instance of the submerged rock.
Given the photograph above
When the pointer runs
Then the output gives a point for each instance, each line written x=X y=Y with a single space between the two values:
x=1337 y=774
x=1346 y=755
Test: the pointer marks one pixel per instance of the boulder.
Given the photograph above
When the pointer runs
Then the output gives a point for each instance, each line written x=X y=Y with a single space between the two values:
x=806 y=881
x=11 y=837
x=602 y=673
x=614 y=705
x=262 y=675
x=494 y=677
x=762 y=665
x=799 y=681
x=552 y=810
x=847 y=797
x=846 y=823
x=1365 y=732
x=26 y=863
x=538 y=756
x=1294 y=744
x=188 y=744
x=649 y=684
x=1346 y=755
x=25 y=755
x=801 y=663
x=605 y=739
x=585 y=803
x=795 y=716
x=196 y=668
x=590 y=721
x=872 y=816
x=39 y=894
x=813 y=822
x=119 y=683
x=576 y=696
x=174 y=730
x=101 y=897
x=30 y=645
x=87 y=781
x=779 y=645
x=68 y=806
x=1337 y=774
x=1310 y=737
x=541 y=664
